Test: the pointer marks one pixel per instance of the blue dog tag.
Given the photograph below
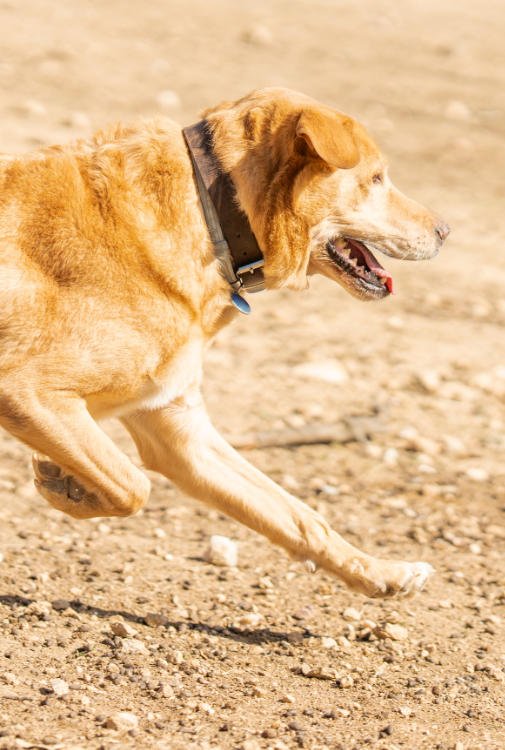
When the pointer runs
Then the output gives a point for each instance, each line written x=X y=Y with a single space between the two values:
x=240 y=303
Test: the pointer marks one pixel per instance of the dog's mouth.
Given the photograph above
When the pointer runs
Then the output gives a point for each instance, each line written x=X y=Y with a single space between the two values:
x=360 y=266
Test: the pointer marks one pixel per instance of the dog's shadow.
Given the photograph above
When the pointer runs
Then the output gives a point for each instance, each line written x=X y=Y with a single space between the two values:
x=257 y=636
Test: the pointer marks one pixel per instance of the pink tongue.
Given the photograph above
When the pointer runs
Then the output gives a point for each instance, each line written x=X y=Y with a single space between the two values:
x=374 y=265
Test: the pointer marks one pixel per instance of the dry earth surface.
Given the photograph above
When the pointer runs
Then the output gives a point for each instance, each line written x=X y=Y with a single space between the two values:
x=117 y=633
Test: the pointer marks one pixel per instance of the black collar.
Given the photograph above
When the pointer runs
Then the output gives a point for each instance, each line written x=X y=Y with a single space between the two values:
x=234 y=242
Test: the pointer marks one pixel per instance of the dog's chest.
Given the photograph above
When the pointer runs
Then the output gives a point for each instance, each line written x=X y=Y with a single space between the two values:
x=183 y=371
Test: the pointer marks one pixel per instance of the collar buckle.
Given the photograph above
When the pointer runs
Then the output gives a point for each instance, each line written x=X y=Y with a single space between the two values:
x=251 y=276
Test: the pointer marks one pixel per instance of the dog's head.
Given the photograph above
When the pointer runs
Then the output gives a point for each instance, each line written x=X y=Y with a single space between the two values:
x=316 y=190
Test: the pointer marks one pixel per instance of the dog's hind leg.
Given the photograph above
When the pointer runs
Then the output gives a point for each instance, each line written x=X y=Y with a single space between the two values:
x=181 y=443
x=81 y=472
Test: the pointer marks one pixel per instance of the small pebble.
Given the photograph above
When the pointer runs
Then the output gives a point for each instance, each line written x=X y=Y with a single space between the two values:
x=222 y=551
x=304 y=613
x=133 y=646
x=387 y=731
x=78 y=120
x=327 y=642
x=318 y=673
x=287 y=698
x=155 y=619
x=345 y=681
x=328 y=371
x=122 y=721
x=258 y=35
x=122 y=629
x=477 y=474
x=458 y=110
x=390 y=456
x=59 y=687
x=168 y=100
x=33 y=108
x=249 y=620
x=429 y=379
x=351 y=614
x=393 y=631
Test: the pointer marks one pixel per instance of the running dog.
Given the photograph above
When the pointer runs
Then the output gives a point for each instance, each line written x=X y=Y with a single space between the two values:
x=119 y=263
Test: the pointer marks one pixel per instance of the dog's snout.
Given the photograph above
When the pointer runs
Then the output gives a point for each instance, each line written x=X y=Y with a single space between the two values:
x=442 y=230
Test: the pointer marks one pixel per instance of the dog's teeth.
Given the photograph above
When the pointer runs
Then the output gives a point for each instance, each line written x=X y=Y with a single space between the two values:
x=341 y=246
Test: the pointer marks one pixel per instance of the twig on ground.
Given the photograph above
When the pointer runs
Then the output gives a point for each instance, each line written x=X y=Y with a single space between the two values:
x=351 y=429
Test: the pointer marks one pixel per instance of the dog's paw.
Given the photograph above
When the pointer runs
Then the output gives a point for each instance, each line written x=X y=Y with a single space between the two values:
x=382 y=578
x=61 y=490
x=415 y=576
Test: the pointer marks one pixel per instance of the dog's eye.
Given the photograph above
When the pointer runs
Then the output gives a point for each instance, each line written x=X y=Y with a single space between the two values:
x=378 y=178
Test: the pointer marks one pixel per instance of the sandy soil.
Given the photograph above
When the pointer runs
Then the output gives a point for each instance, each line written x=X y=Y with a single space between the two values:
x=124 y=615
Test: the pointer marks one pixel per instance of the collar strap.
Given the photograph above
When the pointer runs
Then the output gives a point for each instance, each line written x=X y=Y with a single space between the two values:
x=234 y=243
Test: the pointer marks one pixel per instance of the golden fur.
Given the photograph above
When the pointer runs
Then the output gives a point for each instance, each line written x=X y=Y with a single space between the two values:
x=110 y=292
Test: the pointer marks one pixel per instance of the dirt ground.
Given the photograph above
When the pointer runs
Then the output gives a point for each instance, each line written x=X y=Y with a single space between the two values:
x=124 y=615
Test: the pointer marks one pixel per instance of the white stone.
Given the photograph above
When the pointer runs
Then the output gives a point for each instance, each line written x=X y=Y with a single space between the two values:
x=453 y=445
x=426 y=468
x=206 y=708
x=390 y=457
x=259 y=35
x=287 y=698
x=328 y=642
x=250 y=745
x=77 y=120
x=422 y=444
x=373 y=450
x=222 y=551
x=310 y=566
x=328 y=371
x=168 y=99
x=395 y=322
x=32 y=107
x=430 y=380
x=59 y=687
x=133 y=646
x=249 y=620
x=477 y=473
x=409 y=432
x=393 y=631
x=458 y=110
x=122 y=721
x=346 y=681
x=351 y=614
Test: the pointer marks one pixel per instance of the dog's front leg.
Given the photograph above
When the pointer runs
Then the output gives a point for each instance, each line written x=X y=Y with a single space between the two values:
x=78 y=469
x=181 y=443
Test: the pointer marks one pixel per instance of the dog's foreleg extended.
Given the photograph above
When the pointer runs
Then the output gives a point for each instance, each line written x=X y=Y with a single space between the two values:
x=180 y=442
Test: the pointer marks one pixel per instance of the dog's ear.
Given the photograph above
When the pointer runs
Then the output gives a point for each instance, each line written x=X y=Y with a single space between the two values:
x=324 y=134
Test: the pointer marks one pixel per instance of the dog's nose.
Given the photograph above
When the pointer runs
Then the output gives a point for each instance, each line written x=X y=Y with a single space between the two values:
x=442 y=230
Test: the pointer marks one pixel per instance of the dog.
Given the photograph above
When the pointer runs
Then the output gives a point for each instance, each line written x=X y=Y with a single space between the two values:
x=111 y=288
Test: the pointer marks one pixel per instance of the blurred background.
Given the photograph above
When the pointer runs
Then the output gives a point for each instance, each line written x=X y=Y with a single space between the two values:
x=427 y=79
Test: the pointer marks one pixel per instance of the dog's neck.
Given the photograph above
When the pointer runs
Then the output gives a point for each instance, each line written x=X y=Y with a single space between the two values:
x=234 y=242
